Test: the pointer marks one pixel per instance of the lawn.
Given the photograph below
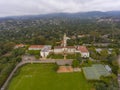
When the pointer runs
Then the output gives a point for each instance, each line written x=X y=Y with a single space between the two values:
x=44 y=77
x=55 y=56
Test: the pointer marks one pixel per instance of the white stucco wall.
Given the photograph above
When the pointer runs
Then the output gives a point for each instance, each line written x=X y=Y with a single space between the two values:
x=58 y=50
x=34 y=48
x=44 y=54
x=71 y=50
x=85 y=55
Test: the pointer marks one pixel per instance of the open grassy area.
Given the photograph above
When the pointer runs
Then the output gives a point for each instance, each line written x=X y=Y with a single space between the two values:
x=44 y=77
x=55 y=56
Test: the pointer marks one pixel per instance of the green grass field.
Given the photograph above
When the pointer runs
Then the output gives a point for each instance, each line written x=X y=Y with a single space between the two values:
x=44 y=77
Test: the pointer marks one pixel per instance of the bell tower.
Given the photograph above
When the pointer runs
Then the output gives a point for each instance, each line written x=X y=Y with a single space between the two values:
x=64 y=40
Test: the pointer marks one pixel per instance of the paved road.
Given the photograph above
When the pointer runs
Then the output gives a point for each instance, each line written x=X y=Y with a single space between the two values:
x=26 y=60
x=10 y=76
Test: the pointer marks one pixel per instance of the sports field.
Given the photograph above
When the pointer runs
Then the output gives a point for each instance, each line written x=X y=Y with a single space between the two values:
x=44 y=77
x=95 y=72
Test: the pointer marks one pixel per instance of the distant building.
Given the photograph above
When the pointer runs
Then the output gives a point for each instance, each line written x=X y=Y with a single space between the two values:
x=108 y=68
x=83 y=51
x=98 y=50
x=81 y=36
x=101 y=49
x=36 y=47
x=19 y=46
x=110 y=50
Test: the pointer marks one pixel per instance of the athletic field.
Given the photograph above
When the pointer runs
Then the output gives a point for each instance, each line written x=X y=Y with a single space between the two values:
x=44 y=77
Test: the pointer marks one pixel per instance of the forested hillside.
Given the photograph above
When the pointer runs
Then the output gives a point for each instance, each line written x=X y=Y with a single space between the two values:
x=50 y=30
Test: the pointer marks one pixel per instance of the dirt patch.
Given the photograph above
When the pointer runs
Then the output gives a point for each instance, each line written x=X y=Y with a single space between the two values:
x=64 y=69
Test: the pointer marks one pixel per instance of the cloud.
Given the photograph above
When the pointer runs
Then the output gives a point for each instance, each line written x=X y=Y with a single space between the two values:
x=33 y=7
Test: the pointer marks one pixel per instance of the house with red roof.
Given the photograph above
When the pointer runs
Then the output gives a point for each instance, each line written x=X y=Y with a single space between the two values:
x=83 y=51
x=19 y=46
x=36 y=47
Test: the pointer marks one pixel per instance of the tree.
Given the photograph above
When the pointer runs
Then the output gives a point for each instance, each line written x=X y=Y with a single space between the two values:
x=75 y=63
x=117 y=51
x=18 y=59
x=95 y=35
x=104 y=54
x=17 y=52
x=100 y=86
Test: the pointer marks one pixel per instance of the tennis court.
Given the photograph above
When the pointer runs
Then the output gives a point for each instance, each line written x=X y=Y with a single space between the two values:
x=95 y=72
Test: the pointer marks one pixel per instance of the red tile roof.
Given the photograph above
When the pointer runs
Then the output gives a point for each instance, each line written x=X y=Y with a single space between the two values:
x=36 y=46
x=19 y=45
x=83 y=49
x=58 y=47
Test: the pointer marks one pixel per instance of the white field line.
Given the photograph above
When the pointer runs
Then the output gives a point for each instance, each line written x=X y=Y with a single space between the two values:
x=19 y=81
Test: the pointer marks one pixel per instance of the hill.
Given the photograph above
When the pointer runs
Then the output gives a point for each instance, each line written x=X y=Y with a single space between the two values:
x=85 y=15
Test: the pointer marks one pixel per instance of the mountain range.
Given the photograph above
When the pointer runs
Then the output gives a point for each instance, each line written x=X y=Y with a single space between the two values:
x=84 y=15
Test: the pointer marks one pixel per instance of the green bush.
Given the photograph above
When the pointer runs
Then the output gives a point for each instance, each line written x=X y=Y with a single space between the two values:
x=75 y=63
x=71 y=56
x=37 y=56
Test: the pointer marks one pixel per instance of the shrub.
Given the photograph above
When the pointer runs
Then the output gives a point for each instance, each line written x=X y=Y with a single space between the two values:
x=37 y=56
x=75 y=63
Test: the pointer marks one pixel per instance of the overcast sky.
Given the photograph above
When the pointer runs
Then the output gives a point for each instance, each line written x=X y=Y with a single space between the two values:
x=33 y=7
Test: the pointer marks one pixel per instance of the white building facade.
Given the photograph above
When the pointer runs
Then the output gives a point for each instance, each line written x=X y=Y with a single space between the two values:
x=45 y=51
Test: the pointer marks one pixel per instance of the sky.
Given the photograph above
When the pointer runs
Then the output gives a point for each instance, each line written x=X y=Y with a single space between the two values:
x=36 y=7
